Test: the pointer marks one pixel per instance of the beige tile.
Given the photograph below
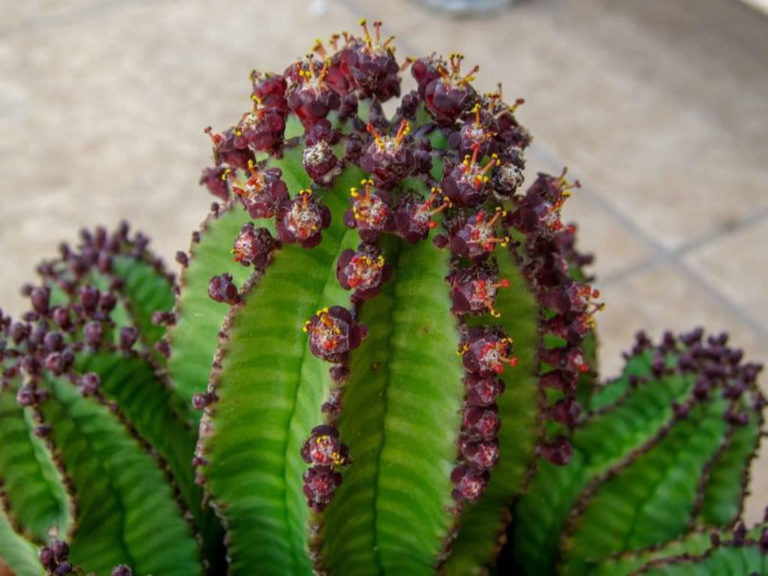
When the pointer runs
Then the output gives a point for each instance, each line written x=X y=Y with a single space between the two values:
x=662 y=113
x=106 y=117
x=659 y=299
x=737 y=266
x=18 y=16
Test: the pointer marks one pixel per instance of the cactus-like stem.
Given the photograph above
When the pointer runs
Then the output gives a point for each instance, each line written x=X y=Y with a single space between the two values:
x=628 y=487
x=192 y=339
x=382 y=344
x=18 y=553
x=695 y=547
x=411 y=332
x=33 y=492
x=90 y=388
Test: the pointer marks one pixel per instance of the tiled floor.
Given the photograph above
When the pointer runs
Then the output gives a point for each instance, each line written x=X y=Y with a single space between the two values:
x=659 y=108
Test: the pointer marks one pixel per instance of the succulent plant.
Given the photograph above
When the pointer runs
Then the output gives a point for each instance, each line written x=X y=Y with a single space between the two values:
x=664 y=450
x=376 y=344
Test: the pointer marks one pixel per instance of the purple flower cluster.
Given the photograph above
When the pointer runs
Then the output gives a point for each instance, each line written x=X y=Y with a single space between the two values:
x=70 y=318
x=447 y=165
x=570 y=305
x=78 y=319
x=333 y=333
x=325 y=454
x=486 y=352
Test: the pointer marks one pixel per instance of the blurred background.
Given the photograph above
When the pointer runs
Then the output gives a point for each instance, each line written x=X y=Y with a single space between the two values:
x=659 y=108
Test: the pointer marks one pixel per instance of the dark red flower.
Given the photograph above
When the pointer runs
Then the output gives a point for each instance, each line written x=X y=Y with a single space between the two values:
x=425 y=70
x=389 y=159
x=333 y=332
x=370 y=212
x=473 y=290
x=363 y=271
x=481 y=423
x=323 y=448
x=261 y=192
x=568 y=357
x=468 y=183
x=483 y=390
x=469 y=482
x=320 y=483
x=223 y=289
x=476 y=238
x=321 y=131
x=269 y=91
x=370 y=65
x=542 y=204
x=302 y=219
x=320 y=162
x=483 y=455
x=564 y=380
x=413 y=216
x=308 y=95
x=449 y=96
x=215 y=180
x=253 y=246
x=566 y=411
x=262 y=129
x=92 y=333
x=557 y=451
x=89 y=383
x=226 y=152
x=486 y=351
x=40 y=297
x=475 y=135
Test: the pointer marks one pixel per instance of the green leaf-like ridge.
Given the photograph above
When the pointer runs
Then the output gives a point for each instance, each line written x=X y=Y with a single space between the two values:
x=401 y=426
x=126 y=512
x=258 y=442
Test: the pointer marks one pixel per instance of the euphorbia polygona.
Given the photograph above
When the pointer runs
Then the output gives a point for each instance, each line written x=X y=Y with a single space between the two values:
x=377 y=342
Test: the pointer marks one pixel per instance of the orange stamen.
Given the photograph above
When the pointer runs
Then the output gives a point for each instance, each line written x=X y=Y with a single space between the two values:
x=324 y=70
x=496 y=216
x=402 y=131
x=215 y=138
x=518 y=102
x=475 y=152
x=469 y=77
x=319 y=49
x=494 y=161
x=372 y=130
x=364 y=24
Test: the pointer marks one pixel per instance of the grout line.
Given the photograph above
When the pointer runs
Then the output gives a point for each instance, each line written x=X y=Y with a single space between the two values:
x=629 y=271
x=92 y=11
x=676 y=254
x=737 y=311
x=721 y=233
